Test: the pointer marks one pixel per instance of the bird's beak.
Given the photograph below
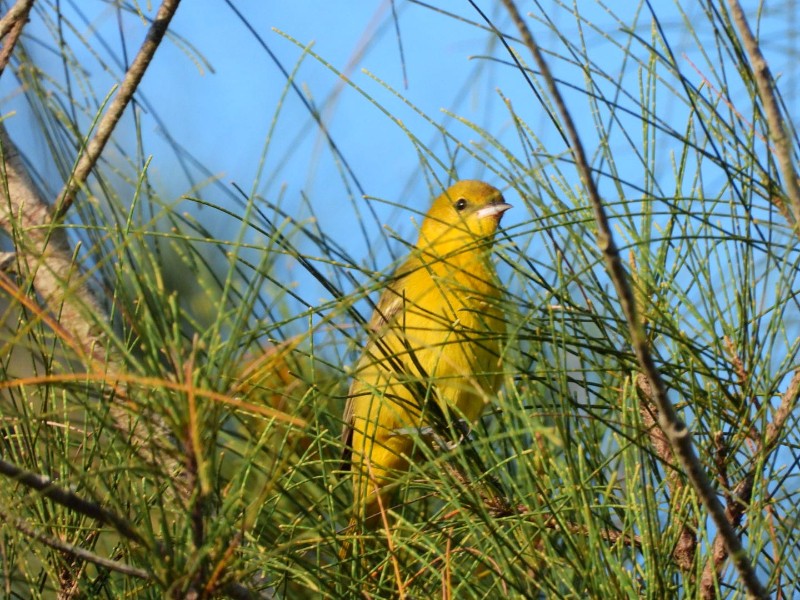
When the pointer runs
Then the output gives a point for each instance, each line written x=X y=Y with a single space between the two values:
x=494 y=210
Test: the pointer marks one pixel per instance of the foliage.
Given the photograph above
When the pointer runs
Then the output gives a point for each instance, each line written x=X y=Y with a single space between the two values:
x=223 y=476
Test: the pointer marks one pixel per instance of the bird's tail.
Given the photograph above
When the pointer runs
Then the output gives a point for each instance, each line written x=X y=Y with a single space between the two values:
x=347 y=545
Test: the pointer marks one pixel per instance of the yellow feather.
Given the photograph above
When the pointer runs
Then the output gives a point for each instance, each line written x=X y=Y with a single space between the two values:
x=435 y=333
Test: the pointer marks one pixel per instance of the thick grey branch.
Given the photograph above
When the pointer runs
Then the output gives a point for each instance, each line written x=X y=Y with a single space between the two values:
x=43 y=253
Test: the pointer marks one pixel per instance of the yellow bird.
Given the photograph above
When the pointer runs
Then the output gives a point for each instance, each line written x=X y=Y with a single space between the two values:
x=434 y=336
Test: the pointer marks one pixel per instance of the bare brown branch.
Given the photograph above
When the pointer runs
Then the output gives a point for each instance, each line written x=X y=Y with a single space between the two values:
x=675 y=430
x=739 y=498
x=43 y=254
x=47 y=488
x=686 y=547
x=766 y=92
x=11 y=26
x=73 y=550
x=786 y=407
x=719 y=553
x=42 y=251
x=498 y=506
x=609 y=535
x=109 y=121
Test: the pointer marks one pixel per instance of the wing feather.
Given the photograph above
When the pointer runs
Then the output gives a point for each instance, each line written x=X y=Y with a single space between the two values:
x=389 y=306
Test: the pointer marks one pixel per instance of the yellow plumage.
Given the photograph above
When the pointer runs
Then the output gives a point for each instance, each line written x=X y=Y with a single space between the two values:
x=435 y=334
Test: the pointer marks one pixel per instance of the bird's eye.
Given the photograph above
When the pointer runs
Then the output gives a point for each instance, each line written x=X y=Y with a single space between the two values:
x=461 y=204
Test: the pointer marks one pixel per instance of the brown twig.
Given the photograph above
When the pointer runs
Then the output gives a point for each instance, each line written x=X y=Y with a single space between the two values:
x=108 y=122
x=42 y=249
x=777 y=128
x=147 y=432
x=740 y=500
x=608 y=535
x=686 y=547
x=787 y=405
x=18 y=12
x=24 y=215
x=11 y=25
x=498 y=506
x=478 y=554
x=72 y=550
x=72 y=569
x=43 y=252
x=69 y=499
x=212 y=583
x=676 y=431
x=741 y=496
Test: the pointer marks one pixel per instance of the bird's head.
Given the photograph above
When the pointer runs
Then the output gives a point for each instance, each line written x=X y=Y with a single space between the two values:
x=466 y=212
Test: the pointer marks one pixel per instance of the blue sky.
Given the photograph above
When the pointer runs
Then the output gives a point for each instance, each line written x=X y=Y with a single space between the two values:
x=219 y=102
x=217 y=91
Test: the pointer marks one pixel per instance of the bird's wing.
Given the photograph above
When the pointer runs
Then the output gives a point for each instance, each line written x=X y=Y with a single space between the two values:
x=388 y=307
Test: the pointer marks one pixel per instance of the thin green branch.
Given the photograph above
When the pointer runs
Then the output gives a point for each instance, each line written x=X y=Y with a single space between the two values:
x=675 y=430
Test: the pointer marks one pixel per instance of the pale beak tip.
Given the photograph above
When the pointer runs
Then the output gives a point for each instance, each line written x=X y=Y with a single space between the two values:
x=495 y=210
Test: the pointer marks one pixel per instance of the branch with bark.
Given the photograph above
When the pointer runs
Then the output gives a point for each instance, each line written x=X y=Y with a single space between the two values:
x=778 y=133
x=675 y=430
x=738 y=501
